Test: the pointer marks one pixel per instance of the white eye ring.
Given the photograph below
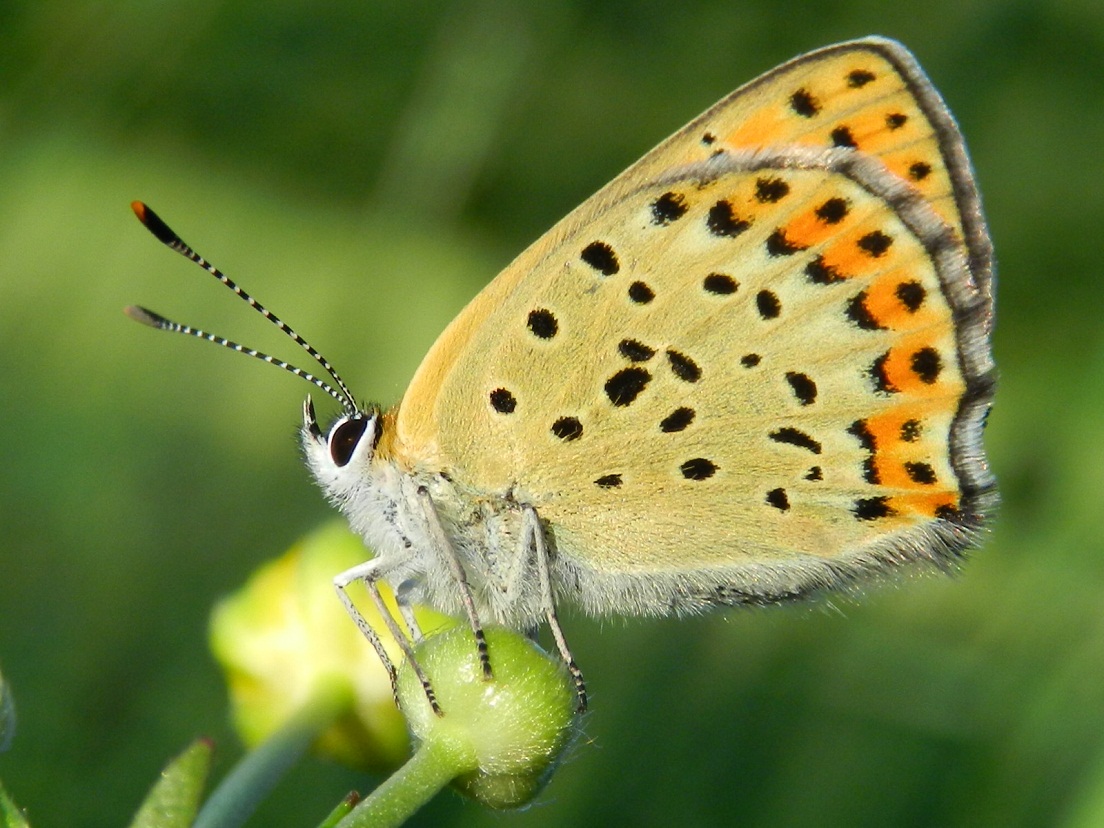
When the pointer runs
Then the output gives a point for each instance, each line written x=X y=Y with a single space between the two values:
x=345 y=438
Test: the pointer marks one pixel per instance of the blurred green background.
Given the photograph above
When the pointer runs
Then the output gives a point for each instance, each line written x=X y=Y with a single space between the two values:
x=366 y=168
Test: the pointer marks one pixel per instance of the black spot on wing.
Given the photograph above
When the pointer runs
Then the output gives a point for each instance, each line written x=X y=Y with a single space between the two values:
x=802 y=386
x=720 y=284
x=668 y=207
x=568 y=428
x=858 y=78
x=841 y=137
x=859 y=314
x=601 y=257
x=927 y=365
x=875 y=243
x=542 y=323
x=723 y=221
x=804 y=104
x=796 y=437
x=822 y=273
x=503 y=401
x=921 y=473
x=779 y=245
x=677 y=420
x=625 y=386
x=878 y=375
x=911 y=295
x=860 y=430
x=771 y=190
x=768 y=305
x=778 y=499
x=949 y=512
x=833 y=211
x=910 y=431
x=640 y=293
x=635 y=351
x=683 y=366
x=698 y=468
x=871 y=508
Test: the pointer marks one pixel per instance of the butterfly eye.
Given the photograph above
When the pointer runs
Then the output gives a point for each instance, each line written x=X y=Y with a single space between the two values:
x=345 y=438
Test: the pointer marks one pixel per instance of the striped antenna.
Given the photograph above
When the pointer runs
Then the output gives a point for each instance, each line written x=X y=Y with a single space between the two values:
x=166 y=236
x=155 y=320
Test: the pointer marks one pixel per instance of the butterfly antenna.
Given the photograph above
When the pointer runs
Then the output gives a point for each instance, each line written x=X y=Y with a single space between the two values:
x=155 y=320
x=166 y=236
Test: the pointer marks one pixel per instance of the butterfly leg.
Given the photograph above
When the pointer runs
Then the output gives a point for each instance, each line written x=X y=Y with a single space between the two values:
x=433 y=522
x=531 y=529
x=370 y=573
x=406 y=609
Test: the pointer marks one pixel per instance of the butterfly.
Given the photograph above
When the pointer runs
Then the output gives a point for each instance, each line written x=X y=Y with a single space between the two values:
x=754 y=367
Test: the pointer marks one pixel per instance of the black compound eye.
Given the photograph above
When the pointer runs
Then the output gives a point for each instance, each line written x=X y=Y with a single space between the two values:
x=345 y=438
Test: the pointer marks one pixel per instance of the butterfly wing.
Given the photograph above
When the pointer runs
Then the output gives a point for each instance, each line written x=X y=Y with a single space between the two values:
x=870 y=95
x=755 y=363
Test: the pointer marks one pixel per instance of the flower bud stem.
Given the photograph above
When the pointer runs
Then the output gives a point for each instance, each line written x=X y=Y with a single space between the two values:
x=254 y=777
x=433 y=765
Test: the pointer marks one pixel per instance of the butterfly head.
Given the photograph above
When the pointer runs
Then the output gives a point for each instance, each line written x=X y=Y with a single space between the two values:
x=341 y=458
x=341 y=455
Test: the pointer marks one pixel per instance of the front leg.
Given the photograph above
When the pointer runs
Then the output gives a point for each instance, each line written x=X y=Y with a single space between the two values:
x=371 y=572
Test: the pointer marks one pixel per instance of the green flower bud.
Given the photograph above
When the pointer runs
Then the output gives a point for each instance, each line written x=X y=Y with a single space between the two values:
x=284 y=640
x=505 y=736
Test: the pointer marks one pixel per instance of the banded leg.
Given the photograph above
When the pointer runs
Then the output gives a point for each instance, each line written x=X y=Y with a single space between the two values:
x=433 y=522
x=370 y=573
x=531 y=529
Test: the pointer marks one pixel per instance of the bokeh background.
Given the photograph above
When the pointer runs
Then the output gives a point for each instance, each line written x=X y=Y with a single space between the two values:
x=366 y=168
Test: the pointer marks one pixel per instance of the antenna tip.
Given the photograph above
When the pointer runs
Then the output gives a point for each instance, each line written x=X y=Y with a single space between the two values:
x=143 y=316
x=154 y=224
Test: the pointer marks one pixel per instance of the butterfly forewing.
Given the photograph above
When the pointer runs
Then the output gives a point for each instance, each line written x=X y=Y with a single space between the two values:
x=762 y=346
x=870 y=95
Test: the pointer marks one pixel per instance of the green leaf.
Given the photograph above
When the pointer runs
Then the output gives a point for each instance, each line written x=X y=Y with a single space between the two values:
x=174 y=799
x=344 y=807
x=7 y=715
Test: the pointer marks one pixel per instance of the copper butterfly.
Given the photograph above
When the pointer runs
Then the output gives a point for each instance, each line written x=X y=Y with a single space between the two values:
x=754 y=367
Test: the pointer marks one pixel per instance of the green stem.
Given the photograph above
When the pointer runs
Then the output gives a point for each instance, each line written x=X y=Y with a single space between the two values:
x=254 y=777
x=432 y=766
